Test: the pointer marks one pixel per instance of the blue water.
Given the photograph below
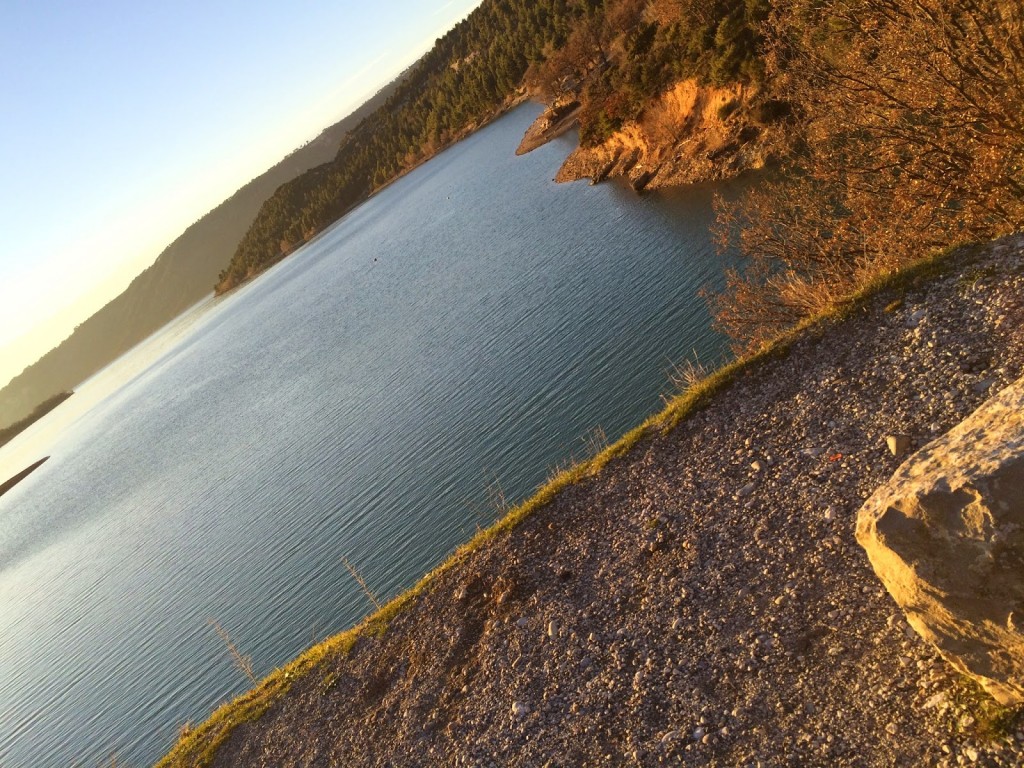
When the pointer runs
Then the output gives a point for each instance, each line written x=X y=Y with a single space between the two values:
x=453 y=339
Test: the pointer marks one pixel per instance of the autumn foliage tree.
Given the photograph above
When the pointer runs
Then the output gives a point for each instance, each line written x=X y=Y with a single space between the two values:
x=912 y=115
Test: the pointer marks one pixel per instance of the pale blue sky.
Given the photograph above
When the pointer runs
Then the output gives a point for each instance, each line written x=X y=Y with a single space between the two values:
x=123 y=122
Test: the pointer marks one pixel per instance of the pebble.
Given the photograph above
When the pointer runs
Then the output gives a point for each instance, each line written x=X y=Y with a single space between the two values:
x=746 y=490
x=898 y=444
x=982 y=386
x=916 y=318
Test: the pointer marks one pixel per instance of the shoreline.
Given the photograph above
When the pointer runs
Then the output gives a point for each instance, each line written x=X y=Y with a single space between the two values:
x=548 y=126
x=642 y=552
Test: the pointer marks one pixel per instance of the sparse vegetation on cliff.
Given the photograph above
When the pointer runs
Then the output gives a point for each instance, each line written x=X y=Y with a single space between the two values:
x=911 y=116
x=622 y=56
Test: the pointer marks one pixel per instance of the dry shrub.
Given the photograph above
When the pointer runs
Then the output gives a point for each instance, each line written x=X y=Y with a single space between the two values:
x=912 y=115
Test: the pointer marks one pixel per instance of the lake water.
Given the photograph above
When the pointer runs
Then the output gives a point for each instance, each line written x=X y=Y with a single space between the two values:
x=459 y=333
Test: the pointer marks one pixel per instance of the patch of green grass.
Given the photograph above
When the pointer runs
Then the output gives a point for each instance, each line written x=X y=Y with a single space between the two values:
x=329 y=681
x=198 y=747
x=971 y=277
x=977 y=715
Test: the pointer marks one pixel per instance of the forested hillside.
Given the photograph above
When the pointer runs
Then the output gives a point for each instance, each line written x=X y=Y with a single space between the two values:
x=900 y=123
x=618 y=59
x=612 y=54
x=462 y=81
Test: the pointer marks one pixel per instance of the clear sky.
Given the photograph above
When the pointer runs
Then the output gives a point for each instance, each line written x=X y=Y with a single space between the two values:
x=122 y=122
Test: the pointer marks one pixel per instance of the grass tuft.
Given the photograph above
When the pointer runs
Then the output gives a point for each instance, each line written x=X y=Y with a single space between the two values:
x=977 y=715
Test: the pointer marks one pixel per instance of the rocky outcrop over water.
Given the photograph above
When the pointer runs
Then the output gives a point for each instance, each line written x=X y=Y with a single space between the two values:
x=702 y=601
x=552 y=123
x=946 y=537
x=691 y=133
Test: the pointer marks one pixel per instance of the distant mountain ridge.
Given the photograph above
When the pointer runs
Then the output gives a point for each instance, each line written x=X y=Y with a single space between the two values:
x=181 y=275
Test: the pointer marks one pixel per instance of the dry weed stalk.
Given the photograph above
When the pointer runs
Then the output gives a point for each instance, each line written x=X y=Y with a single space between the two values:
x=686 y=375
x=242 y=662
x=496 y=497
x=595 y=441
x=362 y=583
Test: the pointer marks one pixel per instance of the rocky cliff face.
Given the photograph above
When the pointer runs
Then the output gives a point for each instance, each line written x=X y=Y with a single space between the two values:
x=692 y=133
x=946 y=537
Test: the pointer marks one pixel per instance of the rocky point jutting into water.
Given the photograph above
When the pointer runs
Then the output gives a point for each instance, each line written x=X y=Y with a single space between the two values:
x=690 y=133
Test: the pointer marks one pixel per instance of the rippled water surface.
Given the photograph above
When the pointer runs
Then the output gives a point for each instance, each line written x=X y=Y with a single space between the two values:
x=462 y=330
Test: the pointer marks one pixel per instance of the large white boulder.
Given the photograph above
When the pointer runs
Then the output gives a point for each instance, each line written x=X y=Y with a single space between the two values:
x=946 y=537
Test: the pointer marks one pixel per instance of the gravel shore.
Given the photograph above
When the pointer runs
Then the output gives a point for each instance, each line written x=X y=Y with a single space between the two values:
x=702 y=601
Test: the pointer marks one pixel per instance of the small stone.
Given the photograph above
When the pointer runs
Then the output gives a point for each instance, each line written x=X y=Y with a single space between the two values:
x=746 y=490
x=523 y=622
x=916 y=318
x=757 y=466
x=520 y=709
x=553 y=628
x=983 y=386
x=971 y=754
x=898 y=444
